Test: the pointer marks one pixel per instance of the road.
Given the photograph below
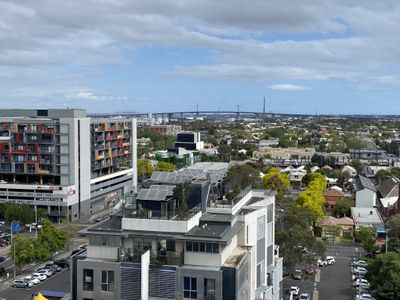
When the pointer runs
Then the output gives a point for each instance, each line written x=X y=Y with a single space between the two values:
x=58 y=282
x=336 y=281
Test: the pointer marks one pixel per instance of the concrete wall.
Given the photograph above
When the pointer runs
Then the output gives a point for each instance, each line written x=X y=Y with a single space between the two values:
x=97 y=267
x=103 y=252
x=160 y=225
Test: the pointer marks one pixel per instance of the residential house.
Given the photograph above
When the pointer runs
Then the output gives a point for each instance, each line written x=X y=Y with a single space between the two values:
x=332 y=195
x=336 y=228
x=350 y=170
x=365 y=192
x=388 y=193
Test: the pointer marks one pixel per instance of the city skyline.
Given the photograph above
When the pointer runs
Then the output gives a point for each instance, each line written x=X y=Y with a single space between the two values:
x=315 y=57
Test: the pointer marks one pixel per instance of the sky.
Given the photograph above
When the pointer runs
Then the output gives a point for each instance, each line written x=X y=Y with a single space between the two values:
x=304 y=56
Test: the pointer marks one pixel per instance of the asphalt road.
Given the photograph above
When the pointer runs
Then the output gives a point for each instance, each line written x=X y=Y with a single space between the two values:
x=336 y=281
x=58 y=282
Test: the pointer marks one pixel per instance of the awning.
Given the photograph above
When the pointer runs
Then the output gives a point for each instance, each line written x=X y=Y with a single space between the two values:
x=40 y=297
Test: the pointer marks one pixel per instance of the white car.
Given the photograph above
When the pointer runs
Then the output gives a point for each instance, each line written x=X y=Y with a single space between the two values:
x=304 y=296
x=35 y=280
x=40 y=276
x=330 y=260
x=294 y=290
x=321 y=263
x=46 y=272
x=364 y=297
x=359 y=281
x=360 y=270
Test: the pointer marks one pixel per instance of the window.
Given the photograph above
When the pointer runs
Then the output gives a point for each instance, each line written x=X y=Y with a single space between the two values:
x=202 y=247
x=189 y=246
x=190 y=287
x=171 y=245
x=88 y=279
x=107 y=281
x=209 y=289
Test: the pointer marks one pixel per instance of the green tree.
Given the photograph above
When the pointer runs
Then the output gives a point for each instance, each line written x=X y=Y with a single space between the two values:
x=312 y=198
x=51 y=238
x=382 y=174
x=24 y=249
x=366 y=235
x=224 y=152
x=182 y=193
x=239 y=177
x=343 y=207
x=145 y=168
x=384 y=276
x=164 y=167
x=356 y=164
x=277 y=181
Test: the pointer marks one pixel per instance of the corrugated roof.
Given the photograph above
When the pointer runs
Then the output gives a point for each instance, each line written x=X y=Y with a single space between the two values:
x=389 y=187
x=362 y=182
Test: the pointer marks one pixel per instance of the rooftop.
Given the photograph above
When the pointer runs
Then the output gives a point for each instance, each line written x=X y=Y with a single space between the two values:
x=362 y=182
x=366 y=216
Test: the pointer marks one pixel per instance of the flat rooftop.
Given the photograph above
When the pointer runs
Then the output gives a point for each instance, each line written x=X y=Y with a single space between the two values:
x=366 y=216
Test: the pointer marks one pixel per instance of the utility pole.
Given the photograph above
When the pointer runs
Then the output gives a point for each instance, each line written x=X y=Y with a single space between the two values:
x=264 y=108
x=238 y=106
x=197 y=109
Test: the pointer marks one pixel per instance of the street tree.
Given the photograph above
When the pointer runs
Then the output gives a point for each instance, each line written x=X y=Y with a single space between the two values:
x=277 y=181
x=384 y=276
x=145 y=168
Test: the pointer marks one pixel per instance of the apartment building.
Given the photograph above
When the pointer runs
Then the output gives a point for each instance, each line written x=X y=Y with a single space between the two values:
x=56 y=159
x=148 y=251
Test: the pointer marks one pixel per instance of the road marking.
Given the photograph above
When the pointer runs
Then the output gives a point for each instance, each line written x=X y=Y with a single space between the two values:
x=317 y=275
x=315 y=295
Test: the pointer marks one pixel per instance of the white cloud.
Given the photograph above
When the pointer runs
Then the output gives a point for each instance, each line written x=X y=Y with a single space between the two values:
x=287 y=87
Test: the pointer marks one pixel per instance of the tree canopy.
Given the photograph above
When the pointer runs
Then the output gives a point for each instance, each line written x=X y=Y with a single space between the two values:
x=164 y=167
x=28 y=249
x=277 y=181
x=312 y=198
x=343 y=207
x=145 y=168
x=384 y=276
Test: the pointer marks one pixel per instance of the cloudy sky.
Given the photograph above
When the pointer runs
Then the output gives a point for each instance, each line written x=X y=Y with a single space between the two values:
x=305 y=56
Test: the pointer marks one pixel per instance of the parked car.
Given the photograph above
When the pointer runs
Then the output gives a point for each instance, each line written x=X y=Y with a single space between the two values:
x=330 y=260
x=35 y=280
x=362 y=290
x=53 y=267
x=18 y=283
x=304 y=296
x=360 y=263
x=3 y=259
x=359 y=270
x=363 y=283
x=46 y=272
x=294 y=290
x=360 y=280
x=321 y=263
x=39 y=276
x=297 y=275
x=63 y=263
x=364 y=297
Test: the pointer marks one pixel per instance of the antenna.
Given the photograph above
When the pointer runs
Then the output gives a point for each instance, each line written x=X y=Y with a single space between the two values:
x=264 y=107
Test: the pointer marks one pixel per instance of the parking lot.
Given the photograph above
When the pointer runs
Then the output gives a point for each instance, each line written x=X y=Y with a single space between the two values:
x=335 y=280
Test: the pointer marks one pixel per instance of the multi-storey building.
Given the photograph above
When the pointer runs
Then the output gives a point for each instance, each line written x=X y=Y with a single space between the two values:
x=50 y=159
x=226 y=251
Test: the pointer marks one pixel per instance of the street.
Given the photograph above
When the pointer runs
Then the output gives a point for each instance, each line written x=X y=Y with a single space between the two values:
x=336 y=281
x=58 y=282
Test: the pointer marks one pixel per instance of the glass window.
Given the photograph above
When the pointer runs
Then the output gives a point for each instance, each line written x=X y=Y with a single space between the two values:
x=88 y=279
x=215 y=248
x=107 y=281
x=196 y=246
x=209 y=289
x=190 y=287
x=209 y=247
x=171 y=245
x=189 y=246
x=202 y=247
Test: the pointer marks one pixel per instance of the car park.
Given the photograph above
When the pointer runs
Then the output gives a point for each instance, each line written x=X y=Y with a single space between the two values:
x=363 y=283
x=39 y=276
x=304 y=296
x=294 y=290
x=35 y=280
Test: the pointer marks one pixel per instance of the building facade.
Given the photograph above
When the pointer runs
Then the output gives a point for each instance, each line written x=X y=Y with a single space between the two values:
x=48 y=159
x=223 y=252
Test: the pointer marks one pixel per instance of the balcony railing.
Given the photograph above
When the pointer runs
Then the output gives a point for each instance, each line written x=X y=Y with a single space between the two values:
x=176 y=215
x=156 y=258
